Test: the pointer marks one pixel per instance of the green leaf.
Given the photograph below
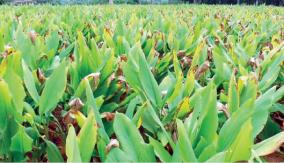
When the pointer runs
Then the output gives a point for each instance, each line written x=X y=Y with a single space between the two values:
x=233 y=126
x=88 y=132
x=223 y=71
x=269 y=78
x=30 y=82
x=160 y=151
x=278 y=94
x=21 y=142
x=2 y=43
x=208 y=115
x=271 y=73
x=53 y=153
x=240 y=149
x=233 y=96
x=16 y=88
x=262 y=106
x=151 y=121
x=109 y=65
x=66 y=52
x=101 y=147
x=248 y=90
x=108 y=39
x=197 y=54
x=5 y=104
x=92 y=103
x=117 y=155
x=148 y=81
x=204 y=114
x=8 y=126
x=183 y=150
x=189 y=83
x=209 y=152
x=219 y=157
x=54 y=89
x=26 y=47
x=52 y=43
x=176 y=64
x=139 y=76
x=131 y=141
x=269 y=145
x=86 y=63
x=72 y=147
x=176 y=95
x=6 y=134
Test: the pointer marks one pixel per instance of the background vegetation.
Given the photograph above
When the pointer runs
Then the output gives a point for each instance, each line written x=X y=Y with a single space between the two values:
x=248 y=2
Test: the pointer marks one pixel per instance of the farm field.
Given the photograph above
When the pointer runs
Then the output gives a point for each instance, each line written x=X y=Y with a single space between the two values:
x=172 y=83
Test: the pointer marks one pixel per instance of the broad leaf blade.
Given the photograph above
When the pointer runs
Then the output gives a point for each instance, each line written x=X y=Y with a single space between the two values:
x=131 y=141
x=54 y=89
x=53 y=153
x=87 y=137
x=72 y=147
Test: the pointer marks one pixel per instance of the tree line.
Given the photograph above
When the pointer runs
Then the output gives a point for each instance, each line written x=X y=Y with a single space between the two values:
x=239 y=2
x=250 y=2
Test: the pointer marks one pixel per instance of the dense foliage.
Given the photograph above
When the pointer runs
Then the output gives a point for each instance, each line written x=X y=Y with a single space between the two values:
x=239 y=2
x=141 y=83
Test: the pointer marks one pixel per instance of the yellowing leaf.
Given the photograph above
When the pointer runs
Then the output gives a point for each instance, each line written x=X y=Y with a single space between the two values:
x=241 y=147
x=88 y=132
x=72 y=147
x=16 y=88
x=269 y=145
